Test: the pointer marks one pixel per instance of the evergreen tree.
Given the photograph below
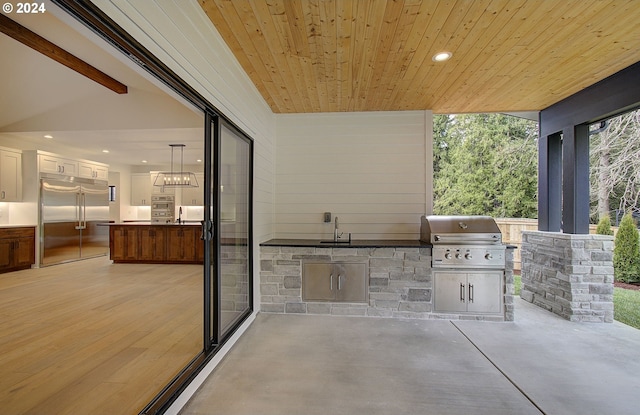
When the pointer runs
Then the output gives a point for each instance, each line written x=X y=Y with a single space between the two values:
x=487 y=164
x=604 y=226
x=626 y=252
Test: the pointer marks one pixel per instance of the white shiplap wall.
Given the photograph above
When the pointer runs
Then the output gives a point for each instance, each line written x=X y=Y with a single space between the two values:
x=372 y=169
x=180 y=34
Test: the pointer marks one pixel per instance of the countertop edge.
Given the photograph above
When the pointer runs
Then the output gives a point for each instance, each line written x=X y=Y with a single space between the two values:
x=356 y=243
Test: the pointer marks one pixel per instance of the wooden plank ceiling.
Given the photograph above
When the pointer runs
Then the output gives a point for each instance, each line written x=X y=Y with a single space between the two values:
x=370 y=55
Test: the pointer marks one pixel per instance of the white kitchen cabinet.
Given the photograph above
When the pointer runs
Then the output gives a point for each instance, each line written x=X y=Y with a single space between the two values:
x=51 y=163
x=140 y=189
x=472 y=291
x=10 y=175
x=194 y=196
x=335 y=281
x=93 y=170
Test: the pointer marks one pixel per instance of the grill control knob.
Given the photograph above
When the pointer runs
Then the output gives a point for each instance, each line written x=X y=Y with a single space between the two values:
x=488 y=256
x=458 y=255
x=447 y=255
x=467 y=256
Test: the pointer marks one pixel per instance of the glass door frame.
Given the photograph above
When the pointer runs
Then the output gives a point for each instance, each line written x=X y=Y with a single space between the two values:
x=213 y=328
x=215 y=331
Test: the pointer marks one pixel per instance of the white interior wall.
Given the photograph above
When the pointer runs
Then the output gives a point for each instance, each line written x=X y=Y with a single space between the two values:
x=183 y=38
x=371 y=169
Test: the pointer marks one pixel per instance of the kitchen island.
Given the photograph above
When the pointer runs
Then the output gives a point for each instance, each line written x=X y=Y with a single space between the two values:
x=156 y=243
x=378 y=278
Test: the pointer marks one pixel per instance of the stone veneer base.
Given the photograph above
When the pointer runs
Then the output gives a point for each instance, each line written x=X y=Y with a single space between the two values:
x=400 y=283
x=570 y=275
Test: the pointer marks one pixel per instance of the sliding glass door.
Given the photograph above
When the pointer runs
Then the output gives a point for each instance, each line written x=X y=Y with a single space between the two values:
x=230 y=253
x=226 y=214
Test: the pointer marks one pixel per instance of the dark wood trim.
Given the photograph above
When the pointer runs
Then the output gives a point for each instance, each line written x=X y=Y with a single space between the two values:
x=53 y=51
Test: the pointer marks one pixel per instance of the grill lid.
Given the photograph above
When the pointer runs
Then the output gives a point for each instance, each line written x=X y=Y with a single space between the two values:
x=438 y=229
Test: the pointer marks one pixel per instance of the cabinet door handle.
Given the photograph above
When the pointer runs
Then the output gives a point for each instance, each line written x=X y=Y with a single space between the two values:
x=339 y=282
x=471 y=293
x=331 y=282
x=462 y=292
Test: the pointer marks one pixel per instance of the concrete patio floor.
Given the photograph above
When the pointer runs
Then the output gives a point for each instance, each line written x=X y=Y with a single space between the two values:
x=538 y=364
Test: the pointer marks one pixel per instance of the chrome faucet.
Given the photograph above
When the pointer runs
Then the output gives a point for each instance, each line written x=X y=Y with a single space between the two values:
x=336 y=235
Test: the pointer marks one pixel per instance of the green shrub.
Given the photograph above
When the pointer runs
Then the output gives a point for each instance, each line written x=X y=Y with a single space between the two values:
x=604 y=226
x=626 y=253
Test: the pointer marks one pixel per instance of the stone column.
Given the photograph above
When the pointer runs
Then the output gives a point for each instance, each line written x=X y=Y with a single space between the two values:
x=569 y=274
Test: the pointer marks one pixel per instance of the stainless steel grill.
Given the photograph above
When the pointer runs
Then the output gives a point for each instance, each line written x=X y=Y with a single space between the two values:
x=468 y=261
x=464 y=242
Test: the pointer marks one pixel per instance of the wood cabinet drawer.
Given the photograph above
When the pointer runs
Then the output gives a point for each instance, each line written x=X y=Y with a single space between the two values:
x=27 y=232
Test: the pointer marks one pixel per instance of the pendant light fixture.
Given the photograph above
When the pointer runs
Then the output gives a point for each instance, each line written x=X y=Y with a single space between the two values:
x=176 y=178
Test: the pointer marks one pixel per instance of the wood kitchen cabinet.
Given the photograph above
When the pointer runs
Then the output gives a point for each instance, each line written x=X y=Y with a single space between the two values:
x=468 y=292
x=124 y=243
x=156 y=244
x=17 y=248
x=182 y=243
x=335 y=281
x=152 y=243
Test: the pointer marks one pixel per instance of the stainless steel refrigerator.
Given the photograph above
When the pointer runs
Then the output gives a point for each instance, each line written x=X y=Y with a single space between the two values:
x=72 y=210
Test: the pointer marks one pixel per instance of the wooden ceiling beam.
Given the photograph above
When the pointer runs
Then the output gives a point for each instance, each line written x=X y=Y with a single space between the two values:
x=42 y=45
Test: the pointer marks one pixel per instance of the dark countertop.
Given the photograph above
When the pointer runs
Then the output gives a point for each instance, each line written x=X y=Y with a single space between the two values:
x=145 y=223
x=356 y=243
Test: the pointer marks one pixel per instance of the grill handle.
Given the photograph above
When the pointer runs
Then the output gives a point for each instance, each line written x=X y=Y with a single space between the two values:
x=467 y=238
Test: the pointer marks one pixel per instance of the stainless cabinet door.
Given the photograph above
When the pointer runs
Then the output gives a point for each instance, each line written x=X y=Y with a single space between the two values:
x=351 y=282
x=484 y=291
x=450 y=291
x=94 y=211
x=318 y=282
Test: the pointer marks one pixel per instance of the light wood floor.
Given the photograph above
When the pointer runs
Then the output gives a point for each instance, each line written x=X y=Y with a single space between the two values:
x=92 y=337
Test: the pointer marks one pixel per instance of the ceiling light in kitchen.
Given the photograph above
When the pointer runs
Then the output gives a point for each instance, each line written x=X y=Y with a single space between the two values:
x=176 y=177
x=105 y=151
x=48 y=136
x=442 y=56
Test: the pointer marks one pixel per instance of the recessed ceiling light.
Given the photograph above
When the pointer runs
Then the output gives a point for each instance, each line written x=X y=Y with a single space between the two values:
x=105 y=151
x=144 y=161
x=442 y=56
x=199 y=161
x=48 y=136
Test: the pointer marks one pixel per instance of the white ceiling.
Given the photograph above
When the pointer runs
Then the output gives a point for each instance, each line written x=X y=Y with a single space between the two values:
x=41 y=96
